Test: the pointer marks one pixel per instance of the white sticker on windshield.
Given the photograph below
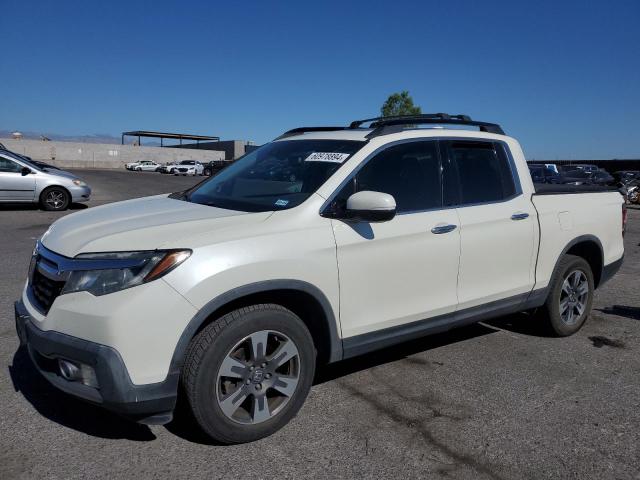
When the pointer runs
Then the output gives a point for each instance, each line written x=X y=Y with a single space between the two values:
x=282 y=203
x=327 y=157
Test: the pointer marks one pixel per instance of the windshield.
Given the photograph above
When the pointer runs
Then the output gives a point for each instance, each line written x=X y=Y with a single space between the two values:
x=276 y=176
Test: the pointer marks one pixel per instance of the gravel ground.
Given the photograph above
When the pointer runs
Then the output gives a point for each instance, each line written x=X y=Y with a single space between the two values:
x=496 y=400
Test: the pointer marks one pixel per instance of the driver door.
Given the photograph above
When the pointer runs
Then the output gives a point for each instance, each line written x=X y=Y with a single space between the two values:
x=14 y=186
x=404 y=270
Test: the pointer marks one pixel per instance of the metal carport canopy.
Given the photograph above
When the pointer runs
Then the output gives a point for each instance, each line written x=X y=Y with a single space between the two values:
x=163 y=135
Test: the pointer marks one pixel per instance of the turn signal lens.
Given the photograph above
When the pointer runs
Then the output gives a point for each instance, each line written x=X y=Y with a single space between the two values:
x=168 y=263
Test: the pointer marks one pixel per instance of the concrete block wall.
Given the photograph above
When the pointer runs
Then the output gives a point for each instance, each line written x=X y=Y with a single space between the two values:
x=232 y=148
x=103 y=155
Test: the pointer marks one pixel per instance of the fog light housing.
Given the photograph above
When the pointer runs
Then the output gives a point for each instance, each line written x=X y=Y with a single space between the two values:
x=78 y=372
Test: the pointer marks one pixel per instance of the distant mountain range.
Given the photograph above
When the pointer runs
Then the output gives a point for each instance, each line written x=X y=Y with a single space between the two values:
x=95 y=138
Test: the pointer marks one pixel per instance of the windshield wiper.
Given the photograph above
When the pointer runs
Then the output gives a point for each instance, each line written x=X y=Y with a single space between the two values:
x=182 y=195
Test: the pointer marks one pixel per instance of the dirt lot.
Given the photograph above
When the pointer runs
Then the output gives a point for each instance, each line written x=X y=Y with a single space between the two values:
x=494 y=400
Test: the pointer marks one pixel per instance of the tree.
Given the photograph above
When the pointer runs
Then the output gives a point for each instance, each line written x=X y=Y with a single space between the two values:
x=399 y=104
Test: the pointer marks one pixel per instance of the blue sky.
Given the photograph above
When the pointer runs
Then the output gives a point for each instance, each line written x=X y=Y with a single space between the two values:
x=561 y=76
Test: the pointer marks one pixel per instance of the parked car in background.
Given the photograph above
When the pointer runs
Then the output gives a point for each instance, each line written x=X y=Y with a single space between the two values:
x=602 y=177
x=322 y=245
x=215 y=166
x=542 y=174
x=167 y=167
x=146 y=166
x=585 y=167
x=171 y=167
x=131 y=165
x=188 y=167
x=625 y=176
x=575 y=177
x=632 y=191
x=24 y=181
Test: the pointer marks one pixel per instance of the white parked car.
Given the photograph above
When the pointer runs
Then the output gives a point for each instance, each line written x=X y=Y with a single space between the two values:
x=174 y=166
x=319 y=246
x=146 y=166
x=132 y=165
x=188 y=167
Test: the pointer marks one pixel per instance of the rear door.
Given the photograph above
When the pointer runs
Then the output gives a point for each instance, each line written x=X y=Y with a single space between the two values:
x=497 y=222
x=406 y=269
x=14 y=186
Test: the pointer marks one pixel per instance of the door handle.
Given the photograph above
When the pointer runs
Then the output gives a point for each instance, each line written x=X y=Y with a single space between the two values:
x=443 y=228
x=519 y=216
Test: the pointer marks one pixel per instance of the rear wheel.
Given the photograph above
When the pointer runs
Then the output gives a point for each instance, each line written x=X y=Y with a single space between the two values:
x=249 y=372
x=569 y=302
x=55 y=199
x=206 y=172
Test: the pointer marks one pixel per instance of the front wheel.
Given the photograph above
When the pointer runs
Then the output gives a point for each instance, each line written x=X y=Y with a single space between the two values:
x=249 y=372
x=569 y=302
x=206 y=172
x=55 y=199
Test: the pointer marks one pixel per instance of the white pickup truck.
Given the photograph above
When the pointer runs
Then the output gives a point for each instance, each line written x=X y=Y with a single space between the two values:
x=324 y=244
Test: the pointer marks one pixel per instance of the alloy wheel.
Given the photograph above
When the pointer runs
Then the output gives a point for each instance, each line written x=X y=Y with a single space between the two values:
x=573 y=297
x=55 y=199
x=258 y=377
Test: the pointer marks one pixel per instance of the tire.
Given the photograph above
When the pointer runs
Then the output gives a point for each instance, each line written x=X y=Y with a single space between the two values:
x=138 y=169
x=55 y=199
x=573 y=285
x=206 y=172
x=258 y=399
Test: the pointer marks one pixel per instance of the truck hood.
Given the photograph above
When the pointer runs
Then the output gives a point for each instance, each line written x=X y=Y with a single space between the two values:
x=145 y=223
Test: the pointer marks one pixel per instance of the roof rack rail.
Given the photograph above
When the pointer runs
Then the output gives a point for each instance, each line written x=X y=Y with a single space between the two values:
x=299 y=130
x=386 y=125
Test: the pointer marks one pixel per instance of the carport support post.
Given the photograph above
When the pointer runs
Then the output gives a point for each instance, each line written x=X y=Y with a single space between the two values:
x=122 y=139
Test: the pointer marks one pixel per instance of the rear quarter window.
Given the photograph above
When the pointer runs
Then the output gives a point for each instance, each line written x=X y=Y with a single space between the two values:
x=484 y=172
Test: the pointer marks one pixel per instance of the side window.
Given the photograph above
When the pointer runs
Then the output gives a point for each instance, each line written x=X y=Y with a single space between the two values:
x=7 y=165
x=484 y=173
x=409 y=171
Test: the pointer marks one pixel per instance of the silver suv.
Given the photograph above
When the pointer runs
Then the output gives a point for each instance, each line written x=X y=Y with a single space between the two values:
x=22 y=181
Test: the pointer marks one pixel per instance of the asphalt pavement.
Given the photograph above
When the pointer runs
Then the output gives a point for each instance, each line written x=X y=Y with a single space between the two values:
x=497 y=400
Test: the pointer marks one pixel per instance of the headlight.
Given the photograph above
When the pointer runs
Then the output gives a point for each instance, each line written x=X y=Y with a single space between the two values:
x=78 y=182
x=110 y=272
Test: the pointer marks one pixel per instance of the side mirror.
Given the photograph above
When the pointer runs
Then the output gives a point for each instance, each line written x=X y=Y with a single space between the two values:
x=25 y=171
x=370 y=206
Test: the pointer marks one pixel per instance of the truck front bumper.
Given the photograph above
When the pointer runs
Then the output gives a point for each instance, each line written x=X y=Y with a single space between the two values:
x=113 y=389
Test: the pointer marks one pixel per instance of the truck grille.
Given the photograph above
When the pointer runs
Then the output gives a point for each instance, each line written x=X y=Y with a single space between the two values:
x=45 y=283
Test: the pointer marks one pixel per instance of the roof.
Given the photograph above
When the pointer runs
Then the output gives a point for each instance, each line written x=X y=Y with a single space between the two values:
x=183 y=136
